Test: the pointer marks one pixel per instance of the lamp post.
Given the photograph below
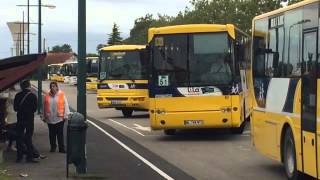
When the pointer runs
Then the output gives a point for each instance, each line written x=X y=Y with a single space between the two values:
x=39 y=73
x=28 y=18
x=40 y=69
x=28 y=29
x=22 y=33
x=81 y=98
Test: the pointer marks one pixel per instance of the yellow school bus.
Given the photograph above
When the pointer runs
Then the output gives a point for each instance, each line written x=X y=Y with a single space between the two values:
x=285 y=84
x=198 y=77
x=123 y=77
x=55 y=72
x=70 y=72
x=92 y=73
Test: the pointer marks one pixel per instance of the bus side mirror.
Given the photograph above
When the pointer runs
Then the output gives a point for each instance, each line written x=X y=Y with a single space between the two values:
x=148 y=47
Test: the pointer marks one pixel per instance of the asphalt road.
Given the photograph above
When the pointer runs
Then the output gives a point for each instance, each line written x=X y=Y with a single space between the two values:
x=208 y=154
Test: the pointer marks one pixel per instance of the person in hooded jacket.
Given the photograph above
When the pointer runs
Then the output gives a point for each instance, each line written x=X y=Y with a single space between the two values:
x=55 y=113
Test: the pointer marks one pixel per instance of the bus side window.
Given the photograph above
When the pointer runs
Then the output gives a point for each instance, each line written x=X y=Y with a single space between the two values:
x=274 y=52
x=293 y=54
x=259 y=57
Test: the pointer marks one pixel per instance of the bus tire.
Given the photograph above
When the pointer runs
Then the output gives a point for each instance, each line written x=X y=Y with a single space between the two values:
x=127 y=112
x=170 y=132
x=289 y=156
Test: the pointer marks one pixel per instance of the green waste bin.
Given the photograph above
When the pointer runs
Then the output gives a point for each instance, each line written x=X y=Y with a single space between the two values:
x=76 y=142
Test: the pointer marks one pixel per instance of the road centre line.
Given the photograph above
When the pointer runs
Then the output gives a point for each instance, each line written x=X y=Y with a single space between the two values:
x=142 y=128
x=126 y=127
x=152 y=166
x=108 y=119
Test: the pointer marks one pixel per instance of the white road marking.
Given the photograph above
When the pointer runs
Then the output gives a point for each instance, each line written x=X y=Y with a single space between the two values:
x=126 y=127
x=246 y=133
x=142 y=128
x=152 y=166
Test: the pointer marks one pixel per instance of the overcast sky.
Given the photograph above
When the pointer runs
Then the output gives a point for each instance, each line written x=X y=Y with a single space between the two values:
x=60 y=24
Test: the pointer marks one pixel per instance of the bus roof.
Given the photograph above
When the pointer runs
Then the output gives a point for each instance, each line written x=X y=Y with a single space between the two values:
x=123 y=48
x=284 y=9
x=92 y=57
x=192 y=28
x=60 y=64
x=71 y=62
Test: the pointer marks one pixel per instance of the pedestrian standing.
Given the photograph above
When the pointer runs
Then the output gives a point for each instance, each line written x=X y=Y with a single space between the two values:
x=11 y=121
x=25 y=104
x=55 y=113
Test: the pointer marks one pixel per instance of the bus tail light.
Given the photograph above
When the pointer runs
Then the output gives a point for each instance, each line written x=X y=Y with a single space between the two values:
x=160 y=112
x=225 y=109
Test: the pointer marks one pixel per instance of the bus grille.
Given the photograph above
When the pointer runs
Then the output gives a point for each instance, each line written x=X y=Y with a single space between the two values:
x=117 y=98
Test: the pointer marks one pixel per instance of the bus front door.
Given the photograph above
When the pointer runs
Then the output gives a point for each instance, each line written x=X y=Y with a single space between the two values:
x=309 y=103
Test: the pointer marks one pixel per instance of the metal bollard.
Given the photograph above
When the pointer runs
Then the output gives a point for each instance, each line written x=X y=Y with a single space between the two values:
x=76 y=143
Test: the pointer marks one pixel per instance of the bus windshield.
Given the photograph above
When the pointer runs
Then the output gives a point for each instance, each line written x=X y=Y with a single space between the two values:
x=71 y=69
x=54 y=69
x=201 y=59
x=92 y=68
x=122 y=65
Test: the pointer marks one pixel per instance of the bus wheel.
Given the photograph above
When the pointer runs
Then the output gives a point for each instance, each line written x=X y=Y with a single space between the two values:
x=290 y=164
x=127 y=112
x=170 y=132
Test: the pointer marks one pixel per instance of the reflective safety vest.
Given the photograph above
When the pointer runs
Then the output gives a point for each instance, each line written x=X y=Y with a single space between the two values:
x=60 y=104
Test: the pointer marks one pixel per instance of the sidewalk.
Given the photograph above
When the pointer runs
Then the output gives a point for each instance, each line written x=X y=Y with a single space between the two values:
x=51 y=168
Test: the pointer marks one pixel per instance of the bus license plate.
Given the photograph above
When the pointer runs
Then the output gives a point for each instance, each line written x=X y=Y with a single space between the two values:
x=193 y=122
x=116 y=102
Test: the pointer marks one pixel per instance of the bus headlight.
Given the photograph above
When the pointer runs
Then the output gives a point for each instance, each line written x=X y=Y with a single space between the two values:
x=138 y=99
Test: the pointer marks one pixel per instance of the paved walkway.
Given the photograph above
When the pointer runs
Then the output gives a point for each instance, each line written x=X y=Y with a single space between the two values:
x=107 y=158
x=53 y=167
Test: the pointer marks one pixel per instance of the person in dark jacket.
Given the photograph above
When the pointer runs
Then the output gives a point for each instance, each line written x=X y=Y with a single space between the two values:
x=25 y=104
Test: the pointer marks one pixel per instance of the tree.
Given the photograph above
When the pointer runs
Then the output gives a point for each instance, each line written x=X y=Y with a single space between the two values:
x=238 y=12
x=65 y=48
x=114 y=37
x=99 y=46
x=139 y=32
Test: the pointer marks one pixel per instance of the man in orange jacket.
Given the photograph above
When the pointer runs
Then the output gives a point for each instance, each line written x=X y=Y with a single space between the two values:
x=55 y=113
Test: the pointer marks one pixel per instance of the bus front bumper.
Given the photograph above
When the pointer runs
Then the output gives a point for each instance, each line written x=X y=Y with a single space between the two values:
x=191 y=120
x=136 y=102
x=91 y=86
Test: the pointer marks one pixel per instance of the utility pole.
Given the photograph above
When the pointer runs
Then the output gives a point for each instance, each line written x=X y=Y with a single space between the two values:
x=81 y=98
x=44 y=45
x=19 y=36
x=28 y=29
x=22 y=32
x=40 y=68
